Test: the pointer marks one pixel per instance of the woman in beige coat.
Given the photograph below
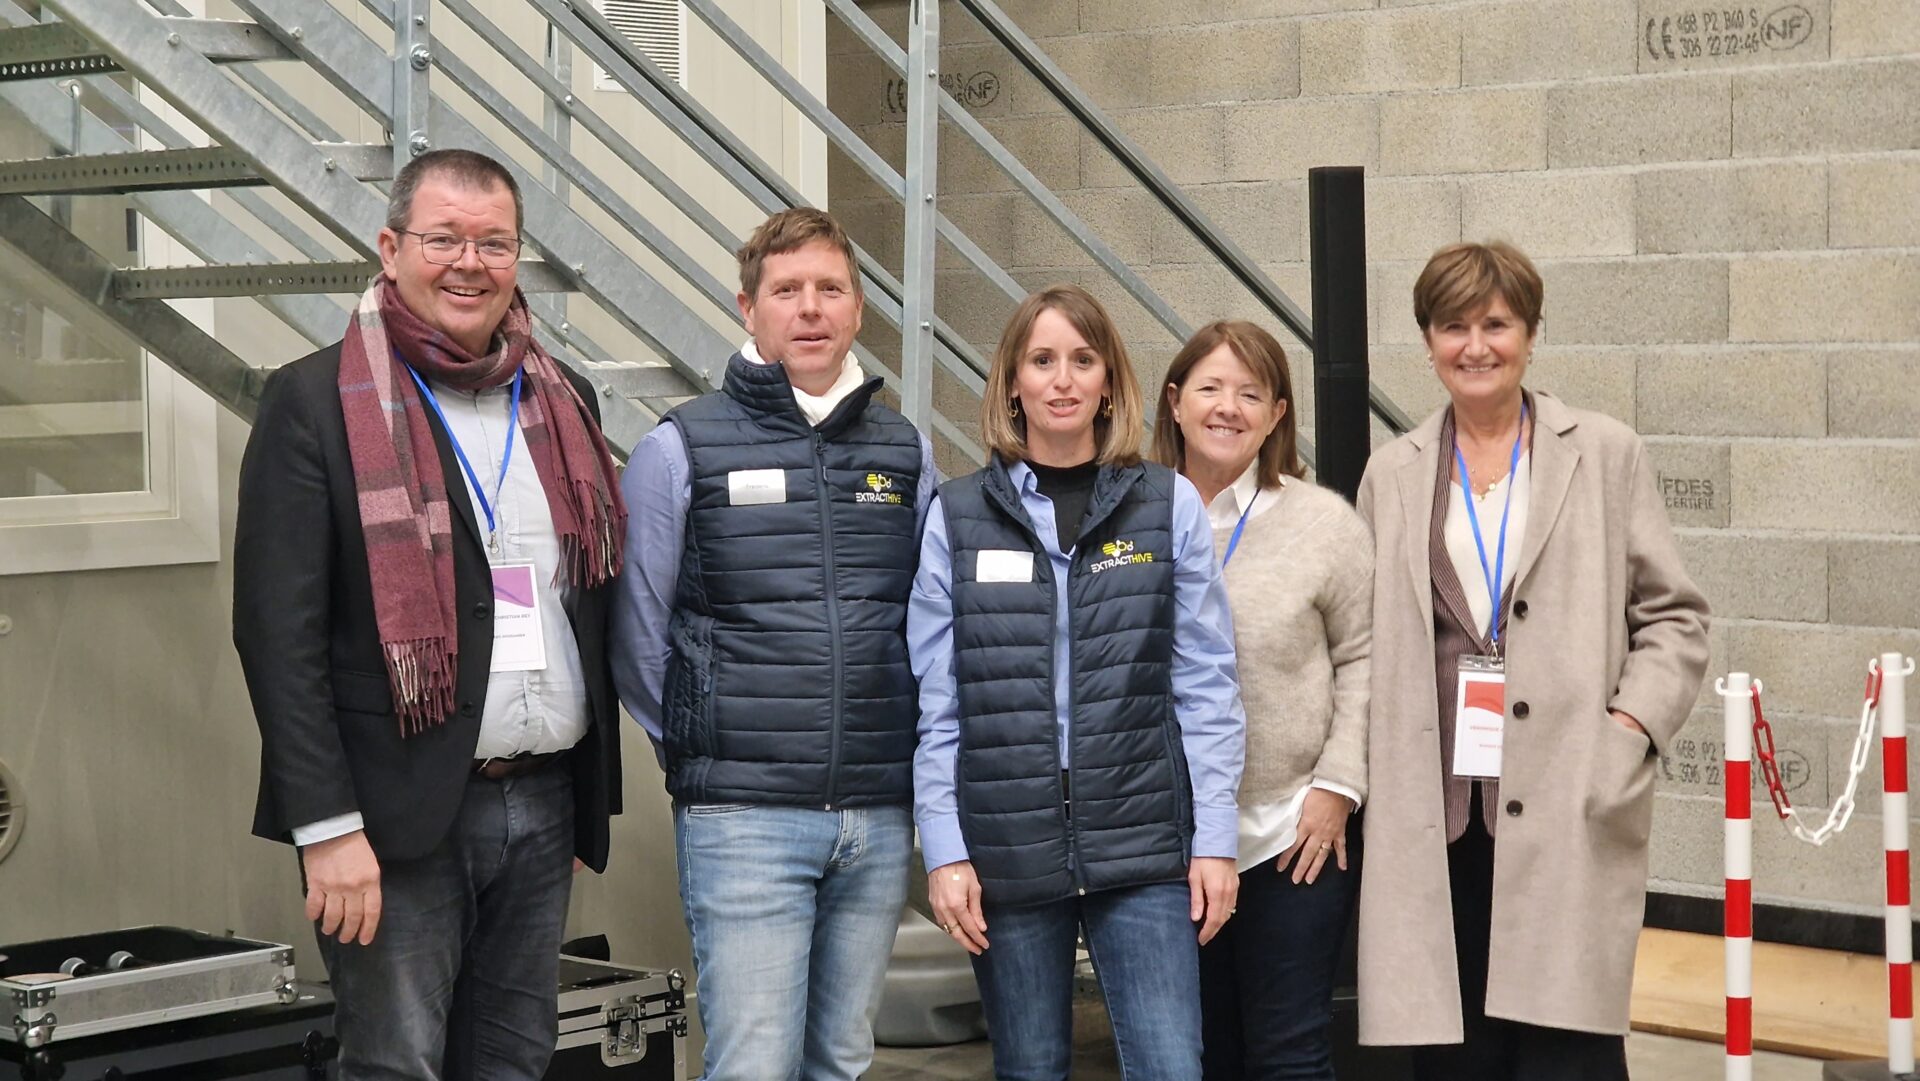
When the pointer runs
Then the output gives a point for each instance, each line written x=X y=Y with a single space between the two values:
x=1513 y=960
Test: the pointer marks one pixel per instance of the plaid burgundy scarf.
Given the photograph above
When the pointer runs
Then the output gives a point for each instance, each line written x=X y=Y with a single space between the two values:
x=404 y=509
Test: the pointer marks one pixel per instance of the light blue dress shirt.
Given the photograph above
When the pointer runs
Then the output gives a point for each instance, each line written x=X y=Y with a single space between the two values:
x=1206 y=686
x=658 y=486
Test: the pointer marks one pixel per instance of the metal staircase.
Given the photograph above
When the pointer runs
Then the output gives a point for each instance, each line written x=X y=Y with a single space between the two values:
x=301 y=202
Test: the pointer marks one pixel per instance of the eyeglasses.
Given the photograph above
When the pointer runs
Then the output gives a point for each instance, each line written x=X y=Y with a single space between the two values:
x=496 y=252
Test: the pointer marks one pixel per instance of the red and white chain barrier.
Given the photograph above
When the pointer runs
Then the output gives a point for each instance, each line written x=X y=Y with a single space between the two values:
x=1893 y=672
x=1735 y=693
x=1748 y=736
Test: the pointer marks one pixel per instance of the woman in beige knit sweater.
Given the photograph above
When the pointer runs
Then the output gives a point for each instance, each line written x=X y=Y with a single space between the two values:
x=1298 y=564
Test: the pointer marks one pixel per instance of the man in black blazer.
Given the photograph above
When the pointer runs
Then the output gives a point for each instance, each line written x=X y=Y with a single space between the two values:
x=421 y=589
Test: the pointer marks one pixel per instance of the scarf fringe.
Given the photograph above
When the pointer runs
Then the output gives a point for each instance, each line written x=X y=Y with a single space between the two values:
x=421 y=674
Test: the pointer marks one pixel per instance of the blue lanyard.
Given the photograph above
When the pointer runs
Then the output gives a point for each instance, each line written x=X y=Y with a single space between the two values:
x=1234 y=541
x=513 y=425
x=1498 y=572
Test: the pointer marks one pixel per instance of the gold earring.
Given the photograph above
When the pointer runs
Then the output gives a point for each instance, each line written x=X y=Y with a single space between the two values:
x=1106 y=407
x=1013 y=409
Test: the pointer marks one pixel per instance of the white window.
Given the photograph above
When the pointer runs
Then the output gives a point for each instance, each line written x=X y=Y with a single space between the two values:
x=657 y=27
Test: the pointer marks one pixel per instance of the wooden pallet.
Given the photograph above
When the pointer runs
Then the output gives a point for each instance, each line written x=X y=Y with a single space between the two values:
x=1817 y=1003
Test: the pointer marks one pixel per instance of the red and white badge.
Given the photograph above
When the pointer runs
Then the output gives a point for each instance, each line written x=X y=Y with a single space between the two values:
x=1479 y=717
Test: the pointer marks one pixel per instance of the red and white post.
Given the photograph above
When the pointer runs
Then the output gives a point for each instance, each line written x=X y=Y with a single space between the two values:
x=1893 y=811
x=1736 y=698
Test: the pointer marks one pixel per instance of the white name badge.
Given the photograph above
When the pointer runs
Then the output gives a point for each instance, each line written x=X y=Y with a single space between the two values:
x=1002 y=565
x=1479 y=717
x=751 y=487
x=518 y=645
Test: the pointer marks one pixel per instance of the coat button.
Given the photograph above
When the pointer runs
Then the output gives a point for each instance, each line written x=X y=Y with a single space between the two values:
x=466 y=710
x=1513 y=808
x=481 y=610
x=1520 y=710
x=1520 y=609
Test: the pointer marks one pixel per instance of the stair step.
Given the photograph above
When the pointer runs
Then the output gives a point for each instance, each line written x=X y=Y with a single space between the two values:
x=57 y=50
x=265 y=279
x=165 y=170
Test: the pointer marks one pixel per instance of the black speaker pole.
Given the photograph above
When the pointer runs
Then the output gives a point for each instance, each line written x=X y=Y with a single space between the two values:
x=1342 y=428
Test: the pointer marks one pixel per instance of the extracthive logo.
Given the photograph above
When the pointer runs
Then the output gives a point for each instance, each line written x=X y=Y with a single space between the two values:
x=1119 y=553
x=879 y=490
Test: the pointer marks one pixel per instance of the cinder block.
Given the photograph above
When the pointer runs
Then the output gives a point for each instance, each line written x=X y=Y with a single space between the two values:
x=861 y=90
x=1141 y=14
x=847 y=180
x=1282 y=140
x=1874 y=583
x=1390 y=292
x=1673 y=35
x=1814 y=669
x=1239 y=62
x=1600 y=380
x=1526 y=41
x=1732 y=208
x=1695 y=479
x=1551 y=214
x=1411 y=218
x=1874 y=28
x=1401 y=371
x=1380 y=52
x=1734 y=393
x=1284 y=8
x=1758 y=576
x=1840 y=297
x=1685 y=844
x=1636 y=301
x=1627 y=122
x=1122 y=217
x=1827 y=486
x=1695 y=762
x=991 y=219
x=877 y=225
x=1833 y=108
x=1874 y=393
x=1047 y=145
x=1112 y=69
x=891 y=15
x=1267 y=221
x=1188 y=144
x=1867 y=200
x=1470 y=131
x=1041 y=19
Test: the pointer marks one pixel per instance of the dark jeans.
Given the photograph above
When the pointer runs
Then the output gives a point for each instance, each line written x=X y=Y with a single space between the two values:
x=1266 y=980
x=462 y=977
x=1496 y=1049
x=1143 y=950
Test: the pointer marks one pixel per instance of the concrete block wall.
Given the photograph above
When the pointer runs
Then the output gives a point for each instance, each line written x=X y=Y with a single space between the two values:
x=1725 y=203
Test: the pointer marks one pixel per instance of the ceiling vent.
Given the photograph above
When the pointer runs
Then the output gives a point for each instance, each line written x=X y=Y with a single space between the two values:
x=13 y=811
x=657 y=27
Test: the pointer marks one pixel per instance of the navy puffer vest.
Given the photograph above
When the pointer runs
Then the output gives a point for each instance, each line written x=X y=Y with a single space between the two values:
x=1130 y=821
x=788 y=681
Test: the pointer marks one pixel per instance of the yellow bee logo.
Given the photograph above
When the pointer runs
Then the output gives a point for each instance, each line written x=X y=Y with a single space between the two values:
x=1116 y=547
x=879 y=482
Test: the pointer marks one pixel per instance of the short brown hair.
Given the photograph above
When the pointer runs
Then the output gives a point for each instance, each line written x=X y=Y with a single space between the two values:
x=468 y=170
x=1262 y=354
x=1463 y=278
x=791 y=230
x=1116 y=437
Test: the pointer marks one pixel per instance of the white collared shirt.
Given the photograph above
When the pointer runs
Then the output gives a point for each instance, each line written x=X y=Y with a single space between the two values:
x=1266 y=829
x=816 y=407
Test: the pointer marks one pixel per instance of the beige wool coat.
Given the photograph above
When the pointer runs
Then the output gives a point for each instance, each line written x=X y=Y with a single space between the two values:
x=1604 y=617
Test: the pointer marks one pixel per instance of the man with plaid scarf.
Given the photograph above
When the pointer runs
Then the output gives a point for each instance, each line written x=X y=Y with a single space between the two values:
x=429 y=524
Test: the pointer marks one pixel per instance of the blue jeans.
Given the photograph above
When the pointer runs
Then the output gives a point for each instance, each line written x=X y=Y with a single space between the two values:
x=793 y=912
x=1145 y=953
x=1266 y=980
x=462 y=977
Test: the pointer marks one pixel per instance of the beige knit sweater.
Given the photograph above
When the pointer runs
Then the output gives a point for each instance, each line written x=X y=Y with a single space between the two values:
x=1301 y=589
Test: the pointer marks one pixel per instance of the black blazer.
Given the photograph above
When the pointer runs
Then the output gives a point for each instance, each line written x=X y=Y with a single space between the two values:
x=304 y=627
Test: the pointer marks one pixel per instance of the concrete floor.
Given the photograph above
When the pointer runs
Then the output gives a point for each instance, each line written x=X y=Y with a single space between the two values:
x=1649 y=1058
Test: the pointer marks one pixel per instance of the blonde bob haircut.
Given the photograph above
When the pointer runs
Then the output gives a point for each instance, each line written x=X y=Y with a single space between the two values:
x=1261 y=353
x=1461 y=279
x=1116 y=435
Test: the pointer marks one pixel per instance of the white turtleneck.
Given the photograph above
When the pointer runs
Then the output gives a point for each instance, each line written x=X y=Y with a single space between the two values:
x=815 y=407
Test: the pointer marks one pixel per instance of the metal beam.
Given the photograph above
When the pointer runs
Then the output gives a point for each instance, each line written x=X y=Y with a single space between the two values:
x=86 y=278
x=187 y=168
x=412 y=65
x=268 y=279
x=57 y=50
x=922 y=179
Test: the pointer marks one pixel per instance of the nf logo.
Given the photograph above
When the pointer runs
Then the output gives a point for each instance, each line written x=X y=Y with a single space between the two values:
x=879 y=490
x=1119 y=553
x=1787 y=27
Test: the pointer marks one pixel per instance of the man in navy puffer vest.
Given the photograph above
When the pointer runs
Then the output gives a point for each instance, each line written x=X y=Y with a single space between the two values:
x=760 y=639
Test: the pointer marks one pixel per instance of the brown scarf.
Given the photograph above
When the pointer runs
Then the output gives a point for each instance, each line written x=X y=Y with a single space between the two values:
x=404 y=509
